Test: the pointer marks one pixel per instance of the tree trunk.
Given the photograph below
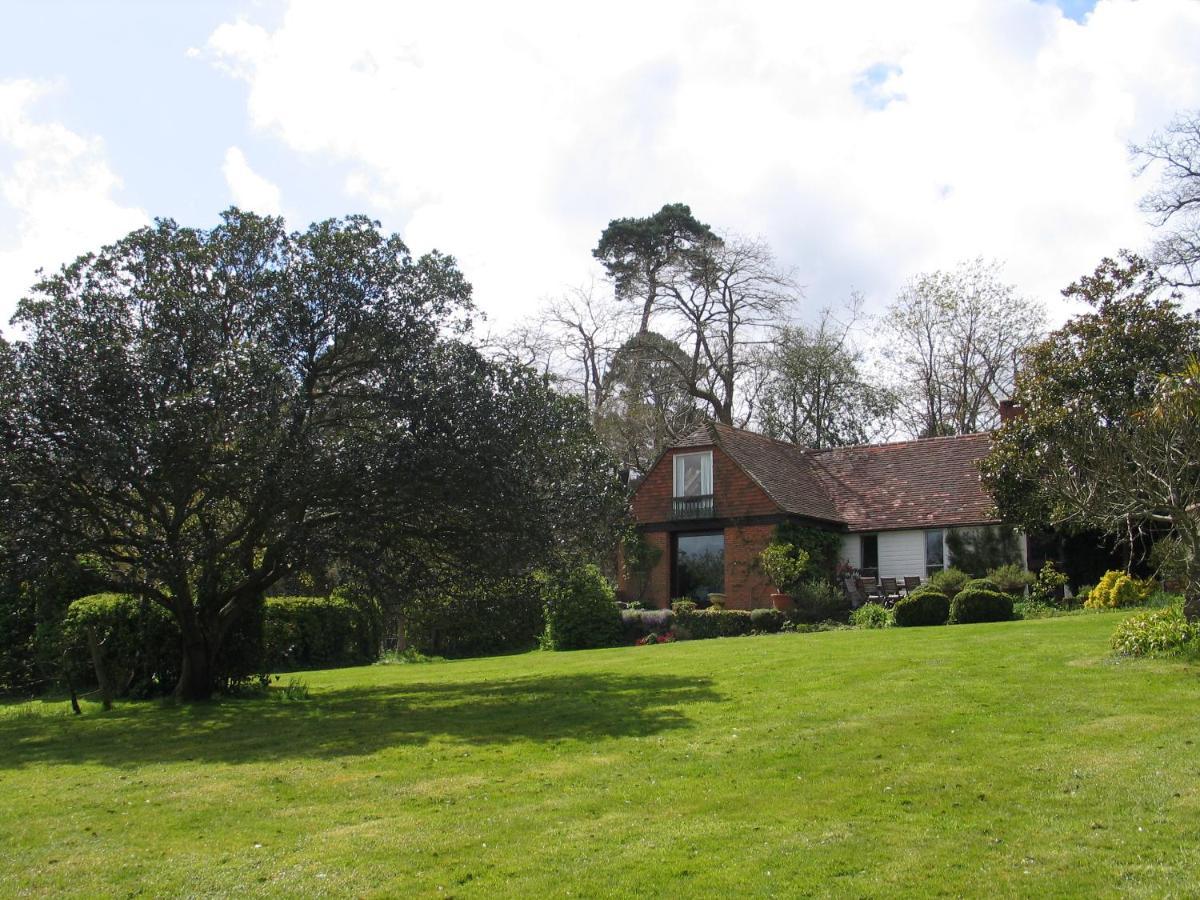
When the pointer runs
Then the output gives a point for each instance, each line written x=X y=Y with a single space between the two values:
x=196 y=680
x=101 y=672
x=1191 y=601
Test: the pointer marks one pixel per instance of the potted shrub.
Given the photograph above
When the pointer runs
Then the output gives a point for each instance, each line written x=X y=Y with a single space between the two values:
x=784 y=565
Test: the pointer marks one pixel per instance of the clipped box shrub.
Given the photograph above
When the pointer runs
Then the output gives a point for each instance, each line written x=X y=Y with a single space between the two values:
x=948 y=581
x=767 y=621
x=924 y=606
x=980 y=605
x=1156 y=632
x=983 y=584
x=731 y=622
x=693 y=624
x=581 y=610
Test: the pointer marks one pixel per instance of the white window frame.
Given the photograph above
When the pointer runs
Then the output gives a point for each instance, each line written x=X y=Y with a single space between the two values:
x=706 y=472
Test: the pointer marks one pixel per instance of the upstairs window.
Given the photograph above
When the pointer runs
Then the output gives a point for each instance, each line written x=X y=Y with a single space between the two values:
x=693 y=474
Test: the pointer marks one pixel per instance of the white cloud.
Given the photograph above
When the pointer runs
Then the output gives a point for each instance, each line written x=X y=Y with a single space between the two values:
x=864 y=141
x=58 y=192
x=250 y=190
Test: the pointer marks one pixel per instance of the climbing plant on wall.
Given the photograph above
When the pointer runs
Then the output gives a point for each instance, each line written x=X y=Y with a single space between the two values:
x=824 y=547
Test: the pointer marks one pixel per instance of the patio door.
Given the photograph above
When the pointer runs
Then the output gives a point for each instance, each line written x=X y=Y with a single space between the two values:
x=698 y=566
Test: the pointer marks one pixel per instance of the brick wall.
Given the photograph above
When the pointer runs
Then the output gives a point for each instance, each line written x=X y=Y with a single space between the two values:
x=745 y=585
x=735 y=496
x=734 y=491
x=657 y=588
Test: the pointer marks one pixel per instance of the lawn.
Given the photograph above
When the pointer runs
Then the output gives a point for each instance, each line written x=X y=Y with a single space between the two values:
x=1017 y=758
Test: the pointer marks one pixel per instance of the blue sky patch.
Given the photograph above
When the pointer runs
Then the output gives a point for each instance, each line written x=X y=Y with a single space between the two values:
x=871 y=85
x=1075 y=10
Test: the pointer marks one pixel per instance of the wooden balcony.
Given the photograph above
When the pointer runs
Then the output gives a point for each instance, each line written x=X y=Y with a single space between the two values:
x=700 y=506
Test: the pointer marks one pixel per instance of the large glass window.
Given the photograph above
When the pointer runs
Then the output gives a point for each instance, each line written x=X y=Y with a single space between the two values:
x=935 y=552
x=699 y=565
x=693 y=474
x=870 y=555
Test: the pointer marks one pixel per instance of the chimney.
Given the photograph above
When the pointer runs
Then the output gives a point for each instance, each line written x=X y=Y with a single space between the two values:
x=1010 y=410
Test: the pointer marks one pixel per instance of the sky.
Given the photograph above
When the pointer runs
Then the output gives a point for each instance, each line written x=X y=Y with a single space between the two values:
x=864 y=141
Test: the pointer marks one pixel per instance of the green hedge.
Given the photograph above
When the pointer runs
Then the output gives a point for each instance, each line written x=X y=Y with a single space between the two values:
x=138 y=642
x=33 y=603
x=320 y=632
x=481 y=618
x=980 y=605
x=924 y=606
x=702 y=624
x=140 y=645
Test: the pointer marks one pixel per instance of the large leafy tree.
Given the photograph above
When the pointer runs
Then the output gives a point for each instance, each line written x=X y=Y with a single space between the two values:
x=200 y=411
x=1109 y=437
x=715 y=297
x=644 y=255
x=646 y=404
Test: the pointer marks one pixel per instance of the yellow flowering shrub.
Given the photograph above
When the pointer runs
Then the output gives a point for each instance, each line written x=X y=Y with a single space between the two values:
x=1118 y=589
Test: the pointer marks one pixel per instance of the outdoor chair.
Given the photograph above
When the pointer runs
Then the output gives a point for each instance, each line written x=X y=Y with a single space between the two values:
x=911 y=583
x=869 y=588
x=890 y=591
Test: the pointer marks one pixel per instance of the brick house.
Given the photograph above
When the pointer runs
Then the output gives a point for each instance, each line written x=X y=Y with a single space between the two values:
x=711 y=503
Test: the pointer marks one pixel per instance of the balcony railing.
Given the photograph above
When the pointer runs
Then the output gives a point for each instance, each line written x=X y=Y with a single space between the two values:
x=696 y=507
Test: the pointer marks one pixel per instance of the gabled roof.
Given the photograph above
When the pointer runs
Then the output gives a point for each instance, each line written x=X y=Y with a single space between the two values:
x=872 y=487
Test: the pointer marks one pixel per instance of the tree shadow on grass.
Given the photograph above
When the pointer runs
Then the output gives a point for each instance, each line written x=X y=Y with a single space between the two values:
x=357 y=721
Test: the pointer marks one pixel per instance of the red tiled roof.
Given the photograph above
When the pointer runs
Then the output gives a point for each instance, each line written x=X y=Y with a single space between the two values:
x=703 y=436
x=782 y=470
x=914 y=484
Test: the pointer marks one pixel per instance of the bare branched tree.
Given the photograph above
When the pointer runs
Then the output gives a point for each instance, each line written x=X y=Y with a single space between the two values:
x=814 y=389
x=571 y=338
x=721 y=309
x=1174 y=205
x=954 y=342
x=590 y=328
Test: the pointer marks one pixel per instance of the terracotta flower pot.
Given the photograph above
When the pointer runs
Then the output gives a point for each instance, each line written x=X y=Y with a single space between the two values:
x=782 y=602
x=717 y=601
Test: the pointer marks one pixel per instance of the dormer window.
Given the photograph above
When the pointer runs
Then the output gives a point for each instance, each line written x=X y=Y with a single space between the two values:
x=693 y=486
x=693 y=474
